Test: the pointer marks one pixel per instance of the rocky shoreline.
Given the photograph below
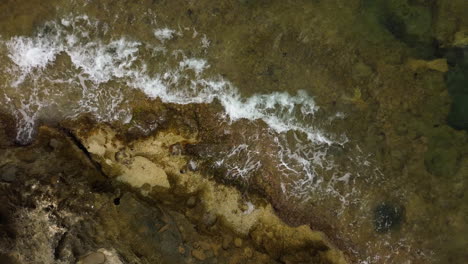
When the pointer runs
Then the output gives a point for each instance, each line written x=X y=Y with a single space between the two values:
x=81 y=195
x=389 y=75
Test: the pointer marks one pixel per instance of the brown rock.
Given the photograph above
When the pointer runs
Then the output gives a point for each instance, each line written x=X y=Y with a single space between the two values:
x=8 y=173
x=55 y=144
x=191 y=202
x=204 y=245
x=209 y=219
x=215 y=248
x=93 y=258
x=150 y=118
x=181 y=250
x=238 y=242
x=227 y=241
x=248 y=252
x=164 y=228
x=199 y=254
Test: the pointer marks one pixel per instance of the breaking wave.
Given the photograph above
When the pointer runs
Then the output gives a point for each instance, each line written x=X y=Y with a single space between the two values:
x=97 y=62
x=66 y=69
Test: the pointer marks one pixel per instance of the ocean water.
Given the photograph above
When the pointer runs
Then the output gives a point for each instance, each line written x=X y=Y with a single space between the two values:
x=92 y=58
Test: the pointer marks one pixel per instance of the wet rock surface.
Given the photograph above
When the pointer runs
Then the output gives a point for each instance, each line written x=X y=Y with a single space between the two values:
x=62 y=214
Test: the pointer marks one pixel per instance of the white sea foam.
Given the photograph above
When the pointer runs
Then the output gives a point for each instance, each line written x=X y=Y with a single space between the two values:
x=164 y=34
x=31 y=53
x=97 y=62
x=196 y=65
x=103 y=62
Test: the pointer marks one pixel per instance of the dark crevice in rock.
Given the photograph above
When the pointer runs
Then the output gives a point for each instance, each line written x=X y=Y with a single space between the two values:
x=60 y=246
x=80 y=146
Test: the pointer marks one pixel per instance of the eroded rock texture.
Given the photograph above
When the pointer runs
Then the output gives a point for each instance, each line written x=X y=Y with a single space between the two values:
x=91 y=199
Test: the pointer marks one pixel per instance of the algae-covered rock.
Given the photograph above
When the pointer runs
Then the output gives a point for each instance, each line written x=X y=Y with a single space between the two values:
x=461 y=39
x=437 y=64
x=442 y=162
x=407 y=21
x=451 y=21
x=443 y=155
x=457 y=83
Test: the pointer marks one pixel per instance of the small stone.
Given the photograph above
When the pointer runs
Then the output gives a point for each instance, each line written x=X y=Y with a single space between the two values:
x=54 y=179
x=238 y=242
x=248 y=252
x=55 y=144
x=176 y=149
x=181 y=250
x=150 y=118
x=215 y=248
x=8 y=173
x=204 y=245
x=191 y=202
x=164 y=228
x=198 y=254
x=209 y=254
x=227 y=242
x=209 y=219
x=192 y=165
x=93 y=258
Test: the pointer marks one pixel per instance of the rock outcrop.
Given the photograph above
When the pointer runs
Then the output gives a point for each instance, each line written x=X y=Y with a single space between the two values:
x=89 y=198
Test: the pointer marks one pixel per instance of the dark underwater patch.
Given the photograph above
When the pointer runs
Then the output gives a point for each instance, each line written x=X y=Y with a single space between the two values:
x=457 y=83
x=387 y=216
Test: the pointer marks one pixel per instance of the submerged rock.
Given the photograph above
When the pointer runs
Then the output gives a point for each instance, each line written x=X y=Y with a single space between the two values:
x=457 y=83
x=436 y=65
x=387 y=216
x=8 y=173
